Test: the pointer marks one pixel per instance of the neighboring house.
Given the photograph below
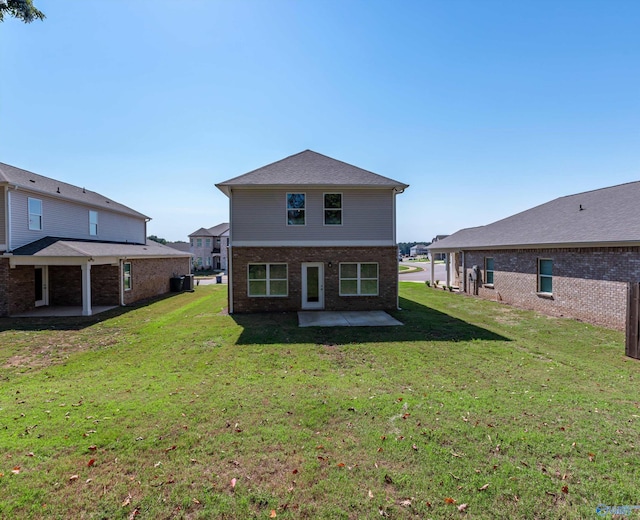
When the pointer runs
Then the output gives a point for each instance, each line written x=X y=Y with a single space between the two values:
x=574 y=256
x=439 y=256
x=311 y=232
x=209 y=247
x=418 y=250
x=61 y=245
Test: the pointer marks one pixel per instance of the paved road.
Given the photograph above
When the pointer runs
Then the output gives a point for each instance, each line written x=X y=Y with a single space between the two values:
x=440 y=272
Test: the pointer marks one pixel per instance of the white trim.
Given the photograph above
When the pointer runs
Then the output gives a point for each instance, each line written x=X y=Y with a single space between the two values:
x=45 y=286
x=314 y=243
x=8 y=220
x=29 y=213
x=564 y=245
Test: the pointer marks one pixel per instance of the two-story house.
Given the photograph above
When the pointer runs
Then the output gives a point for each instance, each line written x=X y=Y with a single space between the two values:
x=209 y=247
x=311 y=232
x=62 y=245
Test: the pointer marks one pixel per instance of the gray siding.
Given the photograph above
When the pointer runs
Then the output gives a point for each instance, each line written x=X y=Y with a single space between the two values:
x=261 y=215
x=66 y=219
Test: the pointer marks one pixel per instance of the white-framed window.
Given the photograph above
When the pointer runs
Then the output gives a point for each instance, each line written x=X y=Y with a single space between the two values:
x=359 y=279
x=207 y=261
x=488 y=271
x=126 y=276
x=332 y=209
x=198 y=242
x=35 y=214
x=267 y=279
x=208 y=242
x=545 y=275
x=296 y=206
x=93 y=223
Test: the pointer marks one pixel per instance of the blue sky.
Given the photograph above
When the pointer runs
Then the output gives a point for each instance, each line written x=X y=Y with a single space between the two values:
x=485 y=108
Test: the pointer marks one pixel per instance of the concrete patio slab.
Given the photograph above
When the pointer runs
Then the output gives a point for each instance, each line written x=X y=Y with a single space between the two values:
x=55 y=311
x=346 y=319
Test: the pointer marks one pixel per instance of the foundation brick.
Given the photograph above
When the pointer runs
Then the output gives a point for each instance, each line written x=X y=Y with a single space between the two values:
x=386 y=257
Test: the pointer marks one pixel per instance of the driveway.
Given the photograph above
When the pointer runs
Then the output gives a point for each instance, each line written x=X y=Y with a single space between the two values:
x=440 y=272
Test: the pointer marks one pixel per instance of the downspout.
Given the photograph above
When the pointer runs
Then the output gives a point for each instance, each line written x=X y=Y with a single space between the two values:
x=7 y=213
x=396 y=192
x=230 y=255
x=464 y=273
x=121 y=281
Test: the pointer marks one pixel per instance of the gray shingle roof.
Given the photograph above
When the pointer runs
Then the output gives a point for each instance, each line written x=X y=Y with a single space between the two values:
x=13 y=176
x=607 y=216
x=214 y=231
x=310 y=168
x=61 y=247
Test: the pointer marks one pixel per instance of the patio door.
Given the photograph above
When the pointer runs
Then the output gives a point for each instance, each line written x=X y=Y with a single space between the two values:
x=41 y=289
x=313 y=285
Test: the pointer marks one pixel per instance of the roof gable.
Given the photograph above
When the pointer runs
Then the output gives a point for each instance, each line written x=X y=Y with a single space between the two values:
x=607 y=215
x=310 y=168
x=61 y=190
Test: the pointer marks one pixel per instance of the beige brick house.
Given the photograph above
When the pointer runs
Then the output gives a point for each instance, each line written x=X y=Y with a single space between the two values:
x=311 y=232
x=574 y=256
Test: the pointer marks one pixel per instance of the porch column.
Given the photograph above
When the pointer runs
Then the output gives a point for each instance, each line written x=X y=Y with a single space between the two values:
x=433 y=269
x=86 y=289
x=448 y=264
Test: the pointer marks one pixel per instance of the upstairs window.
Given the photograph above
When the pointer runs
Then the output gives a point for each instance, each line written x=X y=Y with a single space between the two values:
x=333 y=209
x=198 y=242
x=268 y=279
x=93 y=223
x=488 y=271
x=545 y=275
x=358 y=279
x=296 y=209
x=35 y=214
x=208 y=242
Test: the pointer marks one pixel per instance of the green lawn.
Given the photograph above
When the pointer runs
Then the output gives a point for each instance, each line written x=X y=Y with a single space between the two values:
x=177 y=410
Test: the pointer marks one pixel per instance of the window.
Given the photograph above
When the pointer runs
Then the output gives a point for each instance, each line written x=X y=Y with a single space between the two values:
x=191 y=242
x=295 y=209
x=199 y=242
x=488 y=271
x=35 y=214
x=207 y=261
x=358 y=279
x=333 y=209
x=208 y=242
x=545 y=275
x=93 y=223
x=267 y=279
x=127 y=276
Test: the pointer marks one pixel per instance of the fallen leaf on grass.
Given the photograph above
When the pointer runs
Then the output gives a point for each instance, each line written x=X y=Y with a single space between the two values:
x=565 y=489
x=483 y=487
x=93 y=447
x=73 y=477
x=127 y=500
x=449 y=500
x=134 y=513
x=370 y=494
x=91 y=463
x=341 y=464
x=233 y=483
x=592 y=457
x=167 y=450
x=273 y=514
x=462 y=507
x=405 y=503
x=196 y=501
x=16 y=470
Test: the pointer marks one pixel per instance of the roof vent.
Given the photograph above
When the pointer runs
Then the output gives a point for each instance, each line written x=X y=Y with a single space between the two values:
x=581 y=208
x=58 y=190
x=83 y=190
x=31 y=180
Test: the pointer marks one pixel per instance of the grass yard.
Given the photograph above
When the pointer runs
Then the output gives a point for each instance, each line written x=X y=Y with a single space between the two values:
x=177 y=410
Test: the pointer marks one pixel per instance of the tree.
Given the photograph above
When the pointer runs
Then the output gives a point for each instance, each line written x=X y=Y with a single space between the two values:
x=22 y=9
x=156 y=239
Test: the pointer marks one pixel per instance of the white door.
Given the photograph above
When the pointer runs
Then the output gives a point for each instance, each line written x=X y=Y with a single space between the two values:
x=41 y=295
x=313 y=285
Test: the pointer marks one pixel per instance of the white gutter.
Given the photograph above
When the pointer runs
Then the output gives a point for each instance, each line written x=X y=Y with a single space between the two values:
x=230 y=254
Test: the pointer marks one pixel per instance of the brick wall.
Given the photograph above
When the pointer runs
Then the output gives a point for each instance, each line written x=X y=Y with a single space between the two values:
x=105 y=285
x=386 y=257
x=21 y=289
x=589 y=284
x=4 y=287
x=65 y=285
x=150 y=277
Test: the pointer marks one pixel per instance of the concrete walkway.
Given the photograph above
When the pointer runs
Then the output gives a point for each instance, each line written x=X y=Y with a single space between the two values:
x=346 y=319
x=61 y=311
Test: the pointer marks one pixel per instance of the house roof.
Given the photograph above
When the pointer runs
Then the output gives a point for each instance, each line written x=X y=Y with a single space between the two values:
x=310 y=168
x=608 y=216
x=12 y=176
x=62 y=247
x=185 y=247
x=214 y=231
